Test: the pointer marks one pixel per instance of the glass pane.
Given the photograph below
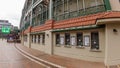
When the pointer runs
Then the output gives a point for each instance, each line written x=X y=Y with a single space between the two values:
x=79 y=39
x=99 y=2
x=80 y=4
x=67 y=38
x=90 y=3
x=57 y=38
x=73 y=5
x=35 y=39
x=43 y=39
x=38 y=38
x=94 y=40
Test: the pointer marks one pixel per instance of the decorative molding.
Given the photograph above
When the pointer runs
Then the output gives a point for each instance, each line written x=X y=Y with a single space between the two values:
x=47 y=26
x=82 y=21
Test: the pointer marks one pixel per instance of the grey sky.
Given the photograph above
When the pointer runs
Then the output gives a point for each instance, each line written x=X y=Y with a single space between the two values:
x=11 y=10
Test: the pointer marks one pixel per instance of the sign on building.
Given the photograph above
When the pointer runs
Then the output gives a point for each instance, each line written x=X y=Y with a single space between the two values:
x=5 y=29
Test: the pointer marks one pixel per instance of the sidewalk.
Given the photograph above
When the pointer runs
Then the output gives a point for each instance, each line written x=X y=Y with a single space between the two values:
x=63 y=61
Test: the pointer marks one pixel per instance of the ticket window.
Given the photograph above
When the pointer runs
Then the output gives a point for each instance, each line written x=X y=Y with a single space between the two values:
x=38 y=38
x=79 y=39
x=57 y=38
x=95 y=40
x=43 y=39
x=67 y=38
x=34 y=38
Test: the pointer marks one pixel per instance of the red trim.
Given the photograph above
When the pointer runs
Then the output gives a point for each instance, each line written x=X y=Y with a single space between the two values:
x=73 y=22
x=47 y=26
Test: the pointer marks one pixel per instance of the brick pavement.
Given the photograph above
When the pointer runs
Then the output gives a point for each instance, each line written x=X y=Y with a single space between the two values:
x=63 y=61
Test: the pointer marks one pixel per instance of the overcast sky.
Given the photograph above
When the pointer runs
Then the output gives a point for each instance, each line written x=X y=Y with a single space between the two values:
x=11 y=10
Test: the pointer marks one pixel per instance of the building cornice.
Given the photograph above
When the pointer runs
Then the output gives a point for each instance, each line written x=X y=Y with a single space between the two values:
x=88 y=20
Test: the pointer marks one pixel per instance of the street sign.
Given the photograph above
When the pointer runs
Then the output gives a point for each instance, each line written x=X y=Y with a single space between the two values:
x=5 y=29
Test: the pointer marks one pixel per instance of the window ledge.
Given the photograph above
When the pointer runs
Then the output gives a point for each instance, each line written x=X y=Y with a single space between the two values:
x=67 y=46
x=94 y=50
x=58 y=45
x=80 y=47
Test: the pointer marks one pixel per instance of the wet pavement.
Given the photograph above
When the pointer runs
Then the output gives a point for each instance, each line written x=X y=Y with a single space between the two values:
x=11 y=58
x=18 y=56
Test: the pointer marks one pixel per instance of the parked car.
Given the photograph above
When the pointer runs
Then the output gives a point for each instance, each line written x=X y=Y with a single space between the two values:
x=10 y=39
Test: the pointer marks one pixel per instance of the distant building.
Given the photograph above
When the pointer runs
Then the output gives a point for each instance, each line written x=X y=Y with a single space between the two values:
x=15 y=28
x=5 y=23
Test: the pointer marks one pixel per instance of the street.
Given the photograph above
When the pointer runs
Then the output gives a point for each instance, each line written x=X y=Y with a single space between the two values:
x=11 y=58
x=13 y=55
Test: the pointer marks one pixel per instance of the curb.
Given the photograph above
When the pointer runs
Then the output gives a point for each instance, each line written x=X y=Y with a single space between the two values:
x=38 y=59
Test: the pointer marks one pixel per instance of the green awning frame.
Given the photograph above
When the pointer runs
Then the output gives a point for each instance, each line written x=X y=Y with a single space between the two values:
x=79 y=28
x=37 y=32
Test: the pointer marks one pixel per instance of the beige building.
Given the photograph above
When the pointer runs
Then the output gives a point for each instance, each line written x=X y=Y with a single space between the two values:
x=81 y=29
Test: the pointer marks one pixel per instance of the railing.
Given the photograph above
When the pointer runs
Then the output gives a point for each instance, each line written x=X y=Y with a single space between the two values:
x=57 y=3
x=81 y=12
x=29 y=7
x=41 y=22
x=27 y=25
x=43 y=17
x=22 y=28
x=34 y=1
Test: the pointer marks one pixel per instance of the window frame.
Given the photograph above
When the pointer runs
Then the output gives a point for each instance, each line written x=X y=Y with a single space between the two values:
x=57 y=39
x=87 y=40
x=62 y=40
x=97 y=42
x=67 y=39
x=78 y=38
x=43 y=38
x=73 y=40
x=39 y=39
x=35 y=38
x=32 y=38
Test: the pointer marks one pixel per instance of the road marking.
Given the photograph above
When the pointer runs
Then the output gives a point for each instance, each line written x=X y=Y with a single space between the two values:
x=58 y=66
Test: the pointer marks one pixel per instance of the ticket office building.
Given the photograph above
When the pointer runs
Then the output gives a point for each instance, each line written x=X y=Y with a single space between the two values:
x=87 y=33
